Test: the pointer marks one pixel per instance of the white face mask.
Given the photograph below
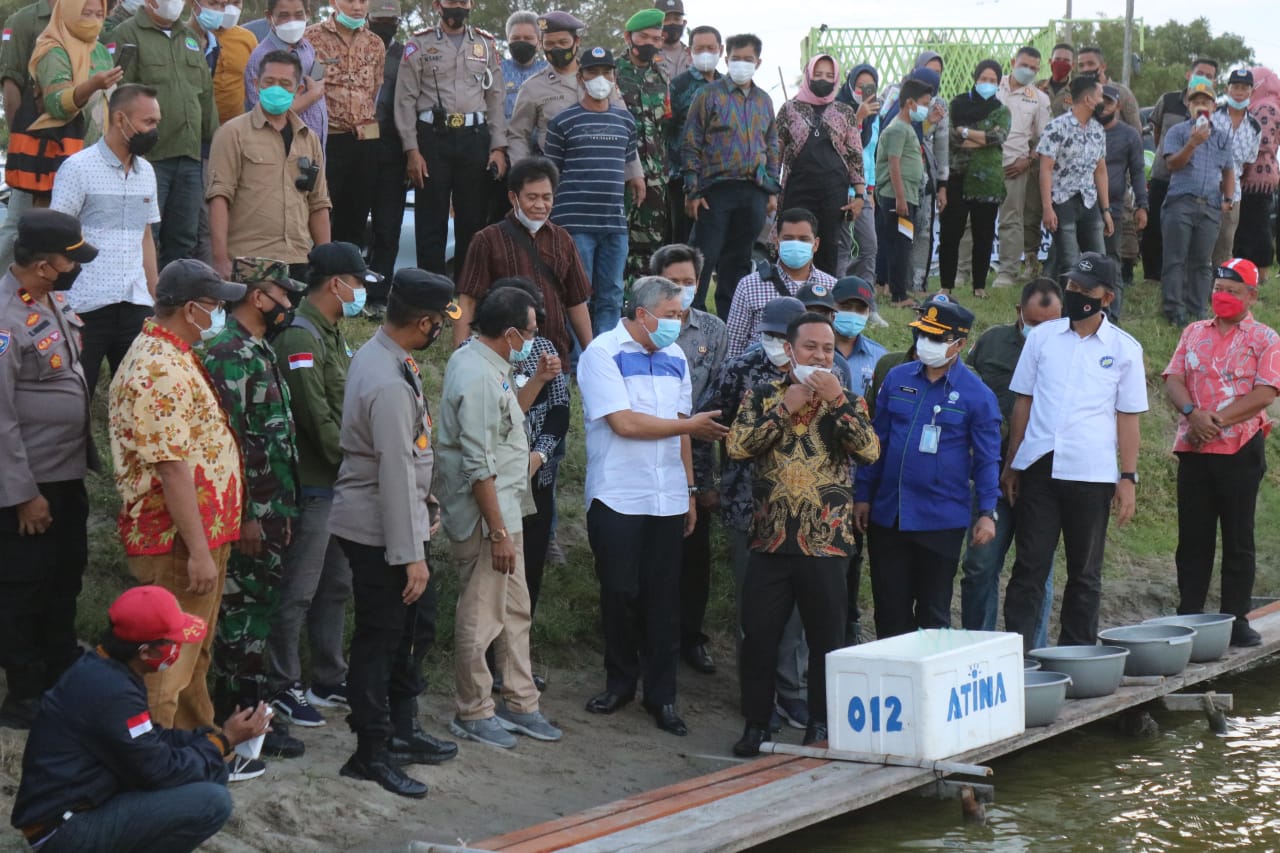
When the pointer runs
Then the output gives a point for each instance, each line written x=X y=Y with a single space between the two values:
x=532 y=224
x=705 y=62
x=741 y=72
x=802 y=372
x=932 y=353
x=599 y=88
x=230 y=17
x=291 y=32
x=169 y=10
x=775 y=350
x=131 y=6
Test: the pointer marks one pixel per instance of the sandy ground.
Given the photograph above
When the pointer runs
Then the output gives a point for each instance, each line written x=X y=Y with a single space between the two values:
x=304 y=805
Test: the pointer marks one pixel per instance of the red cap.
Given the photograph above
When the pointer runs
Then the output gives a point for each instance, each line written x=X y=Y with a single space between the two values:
x=147 y=613
x=1238 y=269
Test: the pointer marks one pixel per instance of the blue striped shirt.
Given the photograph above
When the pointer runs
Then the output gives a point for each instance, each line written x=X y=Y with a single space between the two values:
x=591 y=149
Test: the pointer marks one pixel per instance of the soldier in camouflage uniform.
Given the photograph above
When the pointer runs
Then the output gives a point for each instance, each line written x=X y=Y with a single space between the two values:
x=644 y=90
x=245 y=375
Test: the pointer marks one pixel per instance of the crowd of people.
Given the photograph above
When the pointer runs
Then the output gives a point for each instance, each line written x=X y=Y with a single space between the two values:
x=206 y=205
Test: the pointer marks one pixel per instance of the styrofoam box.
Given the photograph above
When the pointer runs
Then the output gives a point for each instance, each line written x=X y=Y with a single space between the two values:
x=929 y=695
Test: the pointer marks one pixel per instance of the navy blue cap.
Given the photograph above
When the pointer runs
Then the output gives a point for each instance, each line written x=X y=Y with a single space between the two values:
x=816 y=296
x=944 y=318
x=778 y=314
x=854 y=287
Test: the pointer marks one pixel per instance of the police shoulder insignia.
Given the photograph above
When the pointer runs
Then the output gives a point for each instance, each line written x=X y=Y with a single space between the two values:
x=485 y=33
x=5 y=337
x=410 y=49
x=412 y=365
x=55 y=361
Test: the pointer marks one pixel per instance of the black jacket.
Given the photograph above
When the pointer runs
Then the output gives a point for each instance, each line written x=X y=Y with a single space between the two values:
x=94 y=738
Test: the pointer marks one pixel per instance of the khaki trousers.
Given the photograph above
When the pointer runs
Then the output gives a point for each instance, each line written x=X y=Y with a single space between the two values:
x=179 y=696
x=493 y=609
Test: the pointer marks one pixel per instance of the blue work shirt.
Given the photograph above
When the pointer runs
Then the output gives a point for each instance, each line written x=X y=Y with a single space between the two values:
x=1202 y=176
x=931 y=491
x=861 y=363
x=513 y=76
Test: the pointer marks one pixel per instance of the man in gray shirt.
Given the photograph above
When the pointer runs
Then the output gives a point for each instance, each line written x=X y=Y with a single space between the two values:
x=382 y=520
x=485 y=467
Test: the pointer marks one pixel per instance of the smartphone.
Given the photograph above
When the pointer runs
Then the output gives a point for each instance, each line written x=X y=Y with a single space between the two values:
x=125 y=55
x=868 y=92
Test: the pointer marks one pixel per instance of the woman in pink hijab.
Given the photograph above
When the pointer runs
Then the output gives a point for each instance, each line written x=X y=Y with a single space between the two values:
x=822 y=158
x=1260 y=179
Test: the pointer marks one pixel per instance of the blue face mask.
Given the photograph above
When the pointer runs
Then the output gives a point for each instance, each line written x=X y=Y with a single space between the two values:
x=666 y=333
x=849 y=324
x=986 y=90
x=686 y=297
x=1238 y=105
x=1026 y=330
x=275 y=100
x=217 y=322
x=526 y=349
x=795 y=254
x=919 y=113
x=210 y=19
x=350 y=23
x=355 y=306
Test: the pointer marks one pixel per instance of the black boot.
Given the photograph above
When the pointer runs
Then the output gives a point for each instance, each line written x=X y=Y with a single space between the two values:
x=409 y=744
x=372 y=763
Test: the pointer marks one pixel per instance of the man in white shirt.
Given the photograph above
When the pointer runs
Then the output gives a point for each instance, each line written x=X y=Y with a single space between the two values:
x=111 y=189
x=1081 y=387
x=636 y=399
x=1020 y=212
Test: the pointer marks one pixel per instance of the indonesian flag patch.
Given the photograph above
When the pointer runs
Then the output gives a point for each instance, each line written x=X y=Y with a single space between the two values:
x=8 y=34
x=139 y=725
x=301 y=359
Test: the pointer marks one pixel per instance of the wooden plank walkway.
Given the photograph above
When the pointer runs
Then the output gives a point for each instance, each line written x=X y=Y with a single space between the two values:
x=756 y=801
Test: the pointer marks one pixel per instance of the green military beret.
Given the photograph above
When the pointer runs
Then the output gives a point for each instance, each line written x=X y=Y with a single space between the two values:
x=646 y=19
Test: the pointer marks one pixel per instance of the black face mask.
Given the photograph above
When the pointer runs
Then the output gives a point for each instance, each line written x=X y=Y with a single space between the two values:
x=385 y=29
x=277 y=317
x=645 y=52
x=141 y=143
x=436 y=329
x=523 y=51
x=671 y=33
x=66 y=279
x=560 y=57
x=1079 y=307
x=822 y=88
x=455 y=18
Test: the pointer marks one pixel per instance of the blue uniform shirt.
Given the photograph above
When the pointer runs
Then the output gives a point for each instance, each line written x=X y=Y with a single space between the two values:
x=513 y=76
x=931 y=491
x=861 y=364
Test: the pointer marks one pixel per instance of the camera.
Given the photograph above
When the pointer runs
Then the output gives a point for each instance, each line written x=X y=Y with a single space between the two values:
x=310 y=172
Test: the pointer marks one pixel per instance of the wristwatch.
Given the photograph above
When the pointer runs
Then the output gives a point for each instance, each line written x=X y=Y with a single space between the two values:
x=964 y=133
x=1131 y=476
x=498 y=534
x=694 y=490
x=1188 y=409
x=991 y=514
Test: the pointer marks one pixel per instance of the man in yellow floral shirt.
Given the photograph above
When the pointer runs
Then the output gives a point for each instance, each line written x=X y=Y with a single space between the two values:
x=178 y=471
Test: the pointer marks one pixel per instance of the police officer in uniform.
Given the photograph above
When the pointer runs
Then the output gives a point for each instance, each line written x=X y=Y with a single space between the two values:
x=676 y=57
x=449 y=113
x=386 y=478
x=553 y=89
x=44 y=452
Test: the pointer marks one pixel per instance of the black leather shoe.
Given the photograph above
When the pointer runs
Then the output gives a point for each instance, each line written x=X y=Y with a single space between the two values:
x=698 y=658
x=278 y=743
x=1243 y=636
x=668 y=720
x=607 y=703
x=815 y=732
x=380 y=769
x=749 y=744
x=420 y=748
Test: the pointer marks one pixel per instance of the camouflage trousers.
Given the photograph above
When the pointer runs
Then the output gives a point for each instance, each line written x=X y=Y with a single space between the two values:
x=249 y=601
x=648 y=229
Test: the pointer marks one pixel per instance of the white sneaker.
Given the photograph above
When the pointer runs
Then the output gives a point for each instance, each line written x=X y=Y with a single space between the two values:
x=243 y=769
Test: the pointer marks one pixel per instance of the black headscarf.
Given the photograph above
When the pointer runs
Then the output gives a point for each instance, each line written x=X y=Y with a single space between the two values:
x=846 y=93
x=970 y=108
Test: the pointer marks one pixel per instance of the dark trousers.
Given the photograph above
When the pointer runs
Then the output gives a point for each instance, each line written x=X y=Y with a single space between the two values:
x=537 y=536
x=388 y=214
x=1078 y=511
x=853 y=579
x=108 y=333
x=830 y=220
x=981 y=218
x=167 y=820
x=775 y=584
x=1153 y=237
x=681 y=224
x=1254 y=237
x=894 y=248
x=180 y=194
x=1214 y=489
x=725 y=233
x=457 y=163
x=39 y=580
x=912 y=575
x=638 y=565
x=695 y=581
x=350 y=169
x=390 y=641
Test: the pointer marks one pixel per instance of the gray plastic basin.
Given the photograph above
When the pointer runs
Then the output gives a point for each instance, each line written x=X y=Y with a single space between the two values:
x=1046 y=693
x=1094 y=670
x=1153 y=649
x=1030 y=664
x=1213 y=633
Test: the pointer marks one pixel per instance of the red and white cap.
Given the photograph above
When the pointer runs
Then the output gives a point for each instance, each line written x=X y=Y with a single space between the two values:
x=1238 y=269
x=147 y=613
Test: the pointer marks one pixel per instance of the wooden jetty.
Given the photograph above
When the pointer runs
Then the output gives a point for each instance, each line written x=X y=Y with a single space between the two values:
x=775 y=795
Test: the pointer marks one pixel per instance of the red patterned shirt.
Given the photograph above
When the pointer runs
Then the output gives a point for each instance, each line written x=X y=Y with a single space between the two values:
x=162 y=408
x=1219 y=369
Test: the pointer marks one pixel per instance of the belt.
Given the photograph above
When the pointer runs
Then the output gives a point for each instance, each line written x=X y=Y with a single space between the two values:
x=453 y=121
x=38 y=833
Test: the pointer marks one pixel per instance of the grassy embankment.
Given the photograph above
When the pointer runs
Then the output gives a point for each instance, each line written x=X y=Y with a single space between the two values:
x=1139 y=565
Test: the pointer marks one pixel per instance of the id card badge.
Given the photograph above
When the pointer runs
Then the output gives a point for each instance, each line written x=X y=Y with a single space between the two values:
x=929 y=435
